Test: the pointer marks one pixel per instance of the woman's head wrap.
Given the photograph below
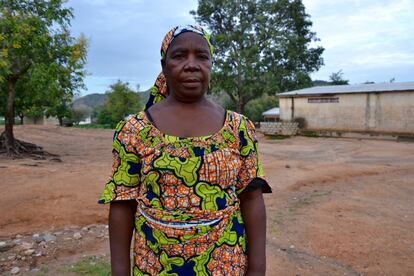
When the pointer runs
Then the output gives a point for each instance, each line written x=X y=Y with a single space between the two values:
x=159 y=90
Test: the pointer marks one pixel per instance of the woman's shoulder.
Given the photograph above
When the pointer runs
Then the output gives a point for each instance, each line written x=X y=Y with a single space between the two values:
x=239 y=120
x=132 y=123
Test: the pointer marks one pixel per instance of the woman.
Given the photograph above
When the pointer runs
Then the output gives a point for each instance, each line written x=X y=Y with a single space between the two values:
x=186 y=176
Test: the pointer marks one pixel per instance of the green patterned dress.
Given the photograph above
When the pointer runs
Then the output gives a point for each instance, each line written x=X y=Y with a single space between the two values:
x=188 y=220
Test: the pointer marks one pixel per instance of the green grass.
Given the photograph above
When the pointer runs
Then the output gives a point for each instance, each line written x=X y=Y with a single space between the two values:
x=91 y=266
x=304 y=202
x=94 y=126
x=43 y=271
x=278 y=137
x=2 y=122
x=310 y=134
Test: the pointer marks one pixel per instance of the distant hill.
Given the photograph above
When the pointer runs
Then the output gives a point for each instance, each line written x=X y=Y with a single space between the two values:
x=90 y=101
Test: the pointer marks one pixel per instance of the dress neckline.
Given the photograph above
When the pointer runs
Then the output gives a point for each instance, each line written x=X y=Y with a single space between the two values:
x=149 y=121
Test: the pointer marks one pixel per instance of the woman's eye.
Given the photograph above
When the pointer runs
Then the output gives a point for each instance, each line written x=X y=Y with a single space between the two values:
x=177 y=56
x=204 y=57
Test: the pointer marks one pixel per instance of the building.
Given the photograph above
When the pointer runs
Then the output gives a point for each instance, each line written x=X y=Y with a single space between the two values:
x=385 y=108
x=40 y=120
x=271 y=115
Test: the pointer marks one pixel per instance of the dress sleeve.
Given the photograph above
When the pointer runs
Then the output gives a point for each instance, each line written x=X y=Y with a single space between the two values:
x=251 y=174
x=123 y=183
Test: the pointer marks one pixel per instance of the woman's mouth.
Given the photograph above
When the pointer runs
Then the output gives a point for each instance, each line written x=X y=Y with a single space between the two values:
x=191 y=83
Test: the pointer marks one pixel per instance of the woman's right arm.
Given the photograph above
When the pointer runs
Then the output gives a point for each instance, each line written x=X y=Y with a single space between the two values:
x=121 y=228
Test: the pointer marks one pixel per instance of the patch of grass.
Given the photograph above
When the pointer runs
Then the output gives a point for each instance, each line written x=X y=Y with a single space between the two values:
x=91 y=266
x=310 y=134
x=304 y=202
x=3 y=122
x=43 y=271
x=94 y=126
x=278 y=137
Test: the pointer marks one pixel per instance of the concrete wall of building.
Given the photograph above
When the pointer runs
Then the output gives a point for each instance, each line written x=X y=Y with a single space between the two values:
x=51 y=121
x=386 y=112
x=279 y=128
x=28 y=120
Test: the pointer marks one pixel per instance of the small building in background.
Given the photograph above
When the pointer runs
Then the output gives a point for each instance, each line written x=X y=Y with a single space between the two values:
x=41 y=120
x=385 y=108
x=271 y=115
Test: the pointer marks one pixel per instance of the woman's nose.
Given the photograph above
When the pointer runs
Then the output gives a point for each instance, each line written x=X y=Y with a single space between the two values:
x=192 y=63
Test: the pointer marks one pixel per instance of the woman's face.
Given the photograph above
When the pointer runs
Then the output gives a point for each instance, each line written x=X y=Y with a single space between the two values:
x=187 y=67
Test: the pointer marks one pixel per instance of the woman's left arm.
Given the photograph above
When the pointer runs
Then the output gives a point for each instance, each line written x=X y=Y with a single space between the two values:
x=254 y=215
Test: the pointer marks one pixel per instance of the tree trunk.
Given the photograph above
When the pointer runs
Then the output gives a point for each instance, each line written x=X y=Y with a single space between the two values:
x=9 y=118
x=240 y=106
x=60 y=118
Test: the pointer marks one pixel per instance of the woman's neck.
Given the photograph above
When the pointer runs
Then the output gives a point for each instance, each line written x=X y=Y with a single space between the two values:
x=173 y=101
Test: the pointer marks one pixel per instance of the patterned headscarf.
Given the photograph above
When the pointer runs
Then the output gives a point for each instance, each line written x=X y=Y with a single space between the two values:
x=160 y=90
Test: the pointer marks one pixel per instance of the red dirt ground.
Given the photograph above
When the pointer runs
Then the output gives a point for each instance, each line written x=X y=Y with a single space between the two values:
x=339 y=206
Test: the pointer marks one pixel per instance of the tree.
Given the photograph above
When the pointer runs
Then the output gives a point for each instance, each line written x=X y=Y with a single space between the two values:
x=256 y=107
x=337 y=78
x=39 y=60
x=262 y=46
x=79 y=114
x=121 y=102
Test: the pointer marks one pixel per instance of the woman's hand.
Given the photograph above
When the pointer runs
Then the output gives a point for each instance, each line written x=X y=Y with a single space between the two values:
x=121 y=227
x=254 y=216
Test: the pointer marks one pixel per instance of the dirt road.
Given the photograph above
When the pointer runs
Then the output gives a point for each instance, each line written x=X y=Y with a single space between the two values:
x=339 y=206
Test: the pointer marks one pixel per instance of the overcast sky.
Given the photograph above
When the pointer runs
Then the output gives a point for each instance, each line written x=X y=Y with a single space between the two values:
x=370 y=40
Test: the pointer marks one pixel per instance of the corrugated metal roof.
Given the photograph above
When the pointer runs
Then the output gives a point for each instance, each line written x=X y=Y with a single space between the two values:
x=350 y=89
x=272 y=112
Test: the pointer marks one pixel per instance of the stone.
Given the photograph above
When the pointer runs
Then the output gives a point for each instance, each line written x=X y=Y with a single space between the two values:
x=15 y=270
x=17 y=241
x=27 y=245
x=77 y=236
x=37 y=238
x=55 y=159
x=85 y=228
x=38 y=254
x=49 y=237
x=11 y=257
x=5 y=246
x=29 y=252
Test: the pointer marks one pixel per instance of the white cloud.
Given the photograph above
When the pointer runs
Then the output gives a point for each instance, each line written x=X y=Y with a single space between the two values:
x=372 y=35
x=368 y=39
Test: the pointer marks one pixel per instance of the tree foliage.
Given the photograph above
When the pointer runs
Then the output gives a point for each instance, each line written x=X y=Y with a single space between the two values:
x=256 y=107
x=337 y=78
x=41 y=64
x=262 y=46
x=122 y=101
